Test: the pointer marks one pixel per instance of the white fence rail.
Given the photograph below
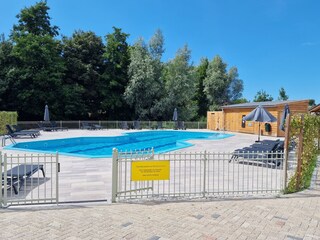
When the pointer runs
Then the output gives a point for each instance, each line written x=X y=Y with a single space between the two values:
x=115 y=124
x=200 y=175
x=29 y=179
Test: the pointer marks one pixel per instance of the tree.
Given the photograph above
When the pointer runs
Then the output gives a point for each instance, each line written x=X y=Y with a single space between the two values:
x=235 y=85
x=35 y=20
x=180 y=84
x=156 y=45
x=282 y=95
x=115 y=76
x=83 y=55
x=35 y=76
x=6 y=61
x=200 y=97
x=156 y=49
x=312 y=103
x=262 y=96
x=142 y=88
x=216 y=83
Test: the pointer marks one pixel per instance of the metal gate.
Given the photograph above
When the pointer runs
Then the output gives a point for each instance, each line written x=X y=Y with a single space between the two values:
x=201 y=174
x=29 y=179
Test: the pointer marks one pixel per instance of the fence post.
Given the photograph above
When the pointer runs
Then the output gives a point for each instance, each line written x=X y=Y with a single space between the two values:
x=79 y=124
x=5 y=193
x=114 y=174
x=300 y=149
x=57 y=177
x=204 y=173
x=1 y=175
x=286 y=150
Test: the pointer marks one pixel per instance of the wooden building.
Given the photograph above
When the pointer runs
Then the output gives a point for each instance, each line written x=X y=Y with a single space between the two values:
x=230 y=118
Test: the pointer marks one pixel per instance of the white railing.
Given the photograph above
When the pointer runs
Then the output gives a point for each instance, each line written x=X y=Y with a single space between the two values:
x=29 y=179
x=115 y=124
x=203 y=174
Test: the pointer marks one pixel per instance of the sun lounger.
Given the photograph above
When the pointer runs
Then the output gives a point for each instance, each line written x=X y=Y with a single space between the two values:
x=45 y=126
x=20 y=133
x=181 y=125
x=56 y=127
x=16 y=128
x=18 y=174
x=136 y=125
x=87 y=126
x=260 y=151
x=124 y=125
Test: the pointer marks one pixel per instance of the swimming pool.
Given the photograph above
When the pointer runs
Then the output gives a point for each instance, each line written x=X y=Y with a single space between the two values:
x=96 y=147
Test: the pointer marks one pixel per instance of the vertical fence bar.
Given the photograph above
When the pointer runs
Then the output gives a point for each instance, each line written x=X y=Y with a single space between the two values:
x=204 y=173
x=114 y=174
x=286 y=151
x=1 y=175
x=5 y=192
x=57 y=177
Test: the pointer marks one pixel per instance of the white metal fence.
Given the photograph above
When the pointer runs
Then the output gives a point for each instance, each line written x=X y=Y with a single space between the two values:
x=116 y=124
x=29 y=179
x=203 y=174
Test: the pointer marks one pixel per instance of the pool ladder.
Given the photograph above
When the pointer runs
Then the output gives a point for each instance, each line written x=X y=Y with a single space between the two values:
x=4 y=139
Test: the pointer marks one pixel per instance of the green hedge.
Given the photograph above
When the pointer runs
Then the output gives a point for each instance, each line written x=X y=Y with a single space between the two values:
x=7 y=118
x=311 y=126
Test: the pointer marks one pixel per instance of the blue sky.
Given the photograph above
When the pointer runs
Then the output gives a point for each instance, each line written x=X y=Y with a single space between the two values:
x=274 y=43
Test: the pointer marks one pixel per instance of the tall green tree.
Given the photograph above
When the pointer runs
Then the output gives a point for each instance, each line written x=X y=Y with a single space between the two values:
x=6 y=61
x=83 y=55
x=200 y=97
x=180 y=84
x=38 y=68
x=216 y=83
x=235 y=85
x=283 y=95
x=156 y=49
x=142 y=88
x=115 y=76
x=262 y=96
x=220 y=86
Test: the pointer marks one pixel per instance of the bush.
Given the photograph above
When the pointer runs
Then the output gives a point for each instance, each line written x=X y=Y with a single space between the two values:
x=311 y=132
x=7 y=118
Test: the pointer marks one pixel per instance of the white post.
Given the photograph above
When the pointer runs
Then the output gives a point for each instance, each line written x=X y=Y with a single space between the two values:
x=5 y=200
x=1 y=175
x=114 y=174
x=57 y=177
x=204 y=173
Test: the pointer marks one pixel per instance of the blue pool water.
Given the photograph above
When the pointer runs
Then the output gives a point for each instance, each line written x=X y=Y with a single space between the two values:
x=94 y=147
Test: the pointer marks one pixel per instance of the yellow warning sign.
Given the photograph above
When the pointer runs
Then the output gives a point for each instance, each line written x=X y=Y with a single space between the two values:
x=150 y=170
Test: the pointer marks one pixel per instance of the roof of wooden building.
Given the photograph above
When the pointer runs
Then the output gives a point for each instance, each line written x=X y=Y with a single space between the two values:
x=315 y=108
x=264 y=104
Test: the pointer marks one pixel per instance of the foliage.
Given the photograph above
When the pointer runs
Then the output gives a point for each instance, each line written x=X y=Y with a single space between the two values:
x=240 y=100
x=262 y=96
x=115 y=76
x=312 y=103
x=222 y=87
x=37 y=68
x=7 y=118
x=35 y=20
x=180 y=83
x=80 y=77
x=235 y=87
x=83 y=55
x=311 y=132
x=142 y=88
x=200 y=97
x=283 y=95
